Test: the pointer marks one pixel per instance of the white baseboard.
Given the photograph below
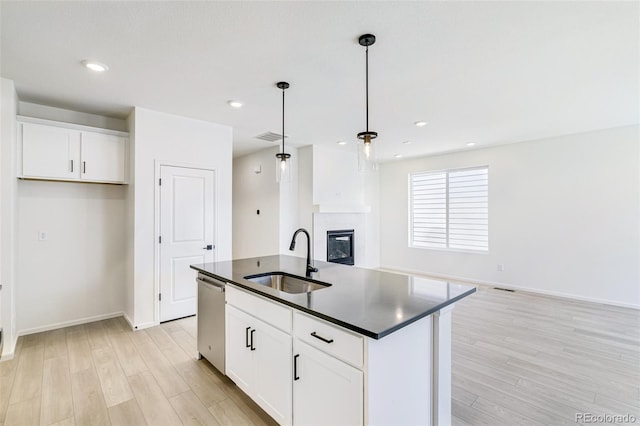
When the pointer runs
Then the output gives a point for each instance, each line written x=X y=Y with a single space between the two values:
x=511 y=287
x=139 y=326
x=6 y=355
x=69 y=323
x=128 y=320
x=144 y=325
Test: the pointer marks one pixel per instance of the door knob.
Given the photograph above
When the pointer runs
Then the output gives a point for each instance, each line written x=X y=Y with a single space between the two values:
x=208 y=247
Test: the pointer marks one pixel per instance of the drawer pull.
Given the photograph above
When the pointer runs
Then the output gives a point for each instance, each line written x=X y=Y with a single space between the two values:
x=314 y=334
x=252 y=331
x=295 y=367
x=246 y=337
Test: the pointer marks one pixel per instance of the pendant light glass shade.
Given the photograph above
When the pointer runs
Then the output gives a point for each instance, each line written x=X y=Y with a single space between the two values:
x=283 y=167
x=367 y=161
x=283 y=160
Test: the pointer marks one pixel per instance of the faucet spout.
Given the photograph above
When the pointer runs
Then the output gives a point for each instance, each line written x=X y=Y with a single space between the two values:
x=292 y=246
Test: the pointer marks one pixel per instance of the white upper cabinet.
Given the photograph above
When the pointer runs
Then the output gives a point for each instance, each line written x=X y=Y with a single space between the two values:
x=103 y=157
x=61 y=151
x=50 y=152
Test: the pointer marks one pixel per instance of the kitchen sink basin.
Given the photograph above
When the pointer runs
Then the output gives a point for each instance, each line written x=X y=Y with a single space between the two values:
x=286 y=282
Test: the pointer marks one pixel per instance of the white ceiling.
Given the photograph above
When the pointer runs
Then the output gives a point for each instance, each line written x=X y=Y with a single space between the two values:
x=484 y=72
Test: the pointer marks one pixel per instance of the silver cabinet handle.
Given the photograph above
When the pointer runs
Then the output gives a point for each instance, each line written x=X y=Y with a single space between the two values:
x=84 y=167
x=71 y=166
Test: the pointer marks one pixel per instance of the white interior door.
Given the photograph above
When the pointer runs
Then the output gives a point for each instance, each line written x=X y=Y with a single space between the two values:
x=186 y=236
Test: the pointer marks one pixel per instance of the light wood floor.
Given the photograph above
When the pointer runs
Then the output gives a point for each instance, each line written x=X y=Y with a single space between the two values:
x=517 y=359
x=103 y=373
x=525 y=359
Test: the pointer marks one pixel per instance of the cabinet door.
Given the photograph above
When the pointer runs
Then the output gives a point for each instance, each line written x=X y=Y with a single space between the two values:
x=103 y=157
x=273 y=372
x=50 y=152
x=326 y=391
x=239 y=356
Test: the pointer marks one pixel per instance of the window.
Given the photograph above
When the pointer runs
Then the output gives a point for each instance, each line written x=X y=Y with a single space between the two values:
x=450 y=209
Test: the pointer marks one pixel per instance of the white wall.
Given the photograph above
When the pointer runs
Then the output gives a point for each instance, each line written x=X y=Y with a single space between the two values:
x=129 y=297
x=256 y=234
x=78 y=273
x=8 y=214
x=336 y=180
x=563 y=217
x=305 y=187
x=270 y=231
x=162 y=138
x=344 y=198
x=289 y=209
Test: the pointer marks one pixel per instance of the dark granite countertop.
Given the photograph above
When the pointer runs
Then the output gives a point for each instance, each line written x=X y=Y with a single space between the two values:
x=367 y=301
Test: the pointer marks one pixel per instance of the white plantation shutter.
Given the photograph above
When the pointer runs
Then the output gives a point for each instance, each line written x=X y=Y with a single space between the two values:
x=450 y=209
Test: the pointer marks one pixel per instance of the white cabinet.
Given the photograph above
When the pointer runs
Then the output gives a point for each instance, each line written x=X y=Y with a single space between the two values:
x=102 y=157
x=240 y=359
x=60 y=151
x=258 y=355
x=50 y=152
x=306 y=371
x=326 y=391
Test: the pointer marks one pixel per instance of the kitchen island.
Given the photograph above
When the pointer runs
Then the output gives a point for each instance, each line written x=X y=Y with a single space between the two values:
x=366 y=347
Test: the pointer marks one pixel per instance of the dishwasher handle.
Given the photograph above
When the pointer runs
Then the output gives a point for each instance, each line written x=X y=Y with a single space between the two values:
x=215 y=285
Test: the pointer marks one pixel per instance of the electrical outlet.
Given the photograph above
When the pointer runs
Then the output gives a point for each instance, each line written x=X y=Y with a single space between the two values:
x=500 y=267
x=43 y=236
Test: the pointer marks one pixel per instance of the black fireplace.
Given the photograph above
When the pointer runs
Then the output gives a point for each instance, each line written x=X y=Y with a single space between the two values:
x=340 y=246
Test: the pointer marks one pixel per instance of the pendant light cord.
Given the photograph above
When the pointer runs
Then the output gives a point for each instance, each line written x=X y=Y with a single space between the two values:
x=367 y=84
x=283 y=121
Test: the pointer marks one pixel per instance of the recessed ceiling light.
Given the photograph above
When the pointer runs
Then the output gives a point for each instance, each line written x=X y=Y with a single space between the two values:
x=95 y=66
x=398 y=156
x=471 y=144
x=420 y=123
x=235 y=104
x=341 y=142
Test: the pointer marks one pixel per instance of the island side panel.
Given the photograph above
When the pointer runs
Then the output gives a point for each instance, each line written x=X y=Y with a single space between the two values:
x=442 y=366
x=398 y=382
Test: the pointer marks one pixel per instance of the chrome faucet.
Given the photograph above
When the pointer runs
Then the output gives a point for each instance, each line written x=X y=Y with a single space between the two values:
x=292 y=246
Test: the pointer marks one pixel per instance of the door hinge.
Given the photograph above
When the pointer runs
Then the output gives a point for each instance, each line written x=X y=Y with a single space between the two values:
x=160 y=297
x=160 y=182
x=160 y=240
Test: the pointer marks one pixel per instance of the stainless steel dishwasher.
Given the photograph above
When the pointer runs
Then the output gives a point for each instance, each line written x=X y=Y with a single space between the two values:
x=211 y=320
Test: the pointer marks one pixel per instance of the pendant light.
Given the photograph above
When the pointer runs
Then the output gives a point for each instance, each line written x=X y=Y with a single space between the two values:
x=283 y=160
x=366 y=149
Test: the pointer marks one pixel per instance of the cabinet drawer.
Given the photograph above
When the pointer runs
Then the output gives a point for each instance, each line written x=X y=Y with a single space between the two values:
x=335 y=341
x=276 y=315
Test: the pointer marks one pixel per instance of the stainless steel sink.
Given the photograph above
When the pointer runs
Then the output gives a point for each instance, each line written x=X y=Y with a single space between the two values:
x=287 y=283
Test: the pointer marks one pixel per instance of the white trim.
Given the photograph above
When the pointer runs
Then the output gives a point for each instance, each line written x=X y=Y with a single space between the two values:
x=156 y=217
x=511 y=286
x=64 y=324
x=341 y=208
